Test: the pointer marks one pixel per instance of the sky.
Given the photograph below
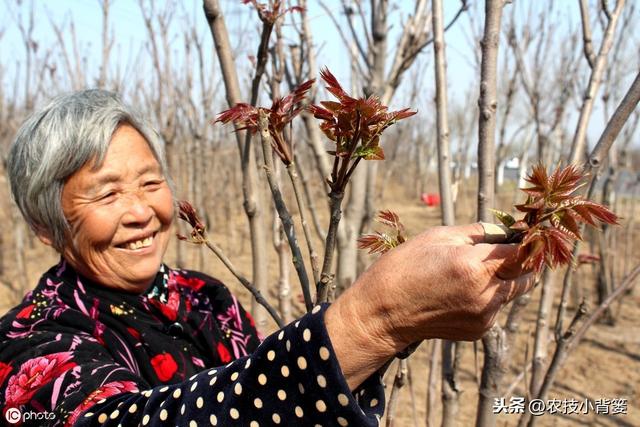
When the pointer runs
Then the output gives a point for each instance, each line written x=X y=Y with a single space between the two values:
x=127 y=25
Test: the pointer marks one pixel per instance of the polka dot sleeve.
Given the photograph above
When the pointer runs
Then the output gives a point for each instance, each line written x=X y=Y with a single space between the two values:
x=292 y=379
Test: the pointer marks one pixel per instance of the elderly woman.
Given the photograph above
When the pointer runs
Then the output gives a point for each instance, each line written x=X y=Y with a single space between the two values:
x=111 y=335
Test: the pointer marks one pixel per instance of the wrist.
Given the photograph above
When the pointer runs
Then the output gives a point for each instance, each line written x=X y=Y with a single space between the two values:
x=361 y=336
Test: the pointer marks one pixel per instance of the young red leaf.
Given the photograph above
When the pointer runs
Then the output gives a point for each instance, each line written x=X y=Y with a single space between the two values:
x=332 y=84
x=391 y=219
x=378 y=242
x=554 y=212
x=355 y=125
x=187 y=213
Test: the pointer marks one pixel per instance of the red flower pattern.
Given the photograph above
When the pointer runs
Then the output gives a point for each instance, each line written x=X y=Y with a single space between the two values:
x=170 y=308
x=5 y=370
x=190 y=282
x=35 y=373
x=134 y=333
x=165 y=366
x=25 y=383
x=107 y=390
x=25 y=312
x=250 y=319
x=223 y=352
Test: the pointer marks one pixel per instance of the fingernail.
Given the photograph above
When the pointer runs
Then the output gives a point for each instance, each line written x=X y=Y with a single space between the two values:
x=495 y=233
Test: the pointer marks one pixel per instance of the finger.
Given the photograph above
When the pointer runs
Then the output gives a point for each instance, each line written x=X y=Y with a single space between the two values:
x=468 y=234
x=514 y=288
x=504 y=260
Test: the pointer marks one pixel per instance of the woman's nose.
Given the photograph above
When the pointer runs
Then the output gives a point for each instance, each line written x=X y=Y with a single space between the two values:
x=138 y=210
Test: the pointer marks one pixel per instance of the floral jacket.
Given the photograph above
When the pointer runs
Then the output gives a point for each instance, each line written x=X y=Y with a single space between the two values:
x=183 y=353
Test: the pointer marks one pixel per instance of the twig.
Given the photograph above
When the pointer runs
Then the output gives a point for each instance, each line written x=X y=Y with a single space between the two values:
x=404 y=60
x=579 y=139
x=348 y=12
x=248 y=285
x=450 y=393
x=488 y=105
x=627 y=282
x=283 y=212
x=615 y=124
x=326 y=277
x=398 y=383
x=577 y=330
x=284 y=265
x=295 y=183
x=432 y=382
x=320 y=233
x=540 y=350
x=414 y=409
x=586 y=33
x=262 y=57
x=363 y=22
x=343 y=36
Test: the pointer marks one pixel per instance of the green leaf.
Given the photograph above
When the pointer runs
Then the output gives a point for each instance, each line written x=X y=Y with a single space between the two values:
x=369 y=153
x=503 y=217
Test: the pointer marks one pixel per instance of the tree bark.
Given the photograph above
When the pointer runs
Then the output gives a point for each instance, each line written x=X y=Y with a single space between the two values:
x=493 y=341
x=450 y=391
x=432 y=383
x=541 y=341
x=442 y=119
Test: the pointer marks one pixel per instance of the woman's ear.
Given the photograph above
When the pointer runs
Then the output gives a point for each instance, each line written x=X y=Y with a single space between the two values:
x=43 y=235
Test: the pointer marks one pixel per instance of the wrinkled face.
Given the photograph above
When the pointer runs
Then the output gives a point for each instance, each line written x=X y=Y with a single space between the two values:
x=120 y=215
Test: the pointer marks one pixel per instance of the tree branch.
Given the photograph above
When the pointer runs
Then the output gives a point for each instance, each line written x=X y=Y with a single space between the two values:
x=283 y=212
x=246 y=283
x=586 y=33
x=580 y=136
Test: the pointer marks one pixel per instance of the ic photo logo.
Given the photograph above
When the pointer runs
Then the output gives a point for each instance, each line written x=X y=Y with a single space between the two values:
x=13 y=415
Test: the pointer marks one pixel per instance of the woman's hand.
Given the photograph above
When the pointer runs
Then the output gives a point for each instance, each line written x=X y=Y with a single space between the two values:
x=445 y=283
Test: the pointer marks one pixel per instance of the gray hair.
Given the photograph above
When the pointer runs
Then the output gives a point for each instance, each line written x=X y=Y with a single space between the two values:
x=57 y=141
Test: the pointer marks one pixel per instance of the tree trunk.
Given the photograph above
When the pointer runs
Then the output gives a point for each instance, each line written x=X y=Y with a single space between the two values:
x=250 y=189
x=493 y=341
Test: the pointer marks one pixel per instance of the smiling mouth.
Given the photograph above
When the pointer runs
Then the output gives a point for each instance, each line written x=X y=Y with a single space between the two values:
x=138 y=244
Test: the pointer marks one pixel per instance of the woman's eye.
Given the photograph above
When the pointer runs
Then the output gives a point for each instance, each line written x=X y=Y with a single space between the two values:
x=107 y=196
x=152 y=185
